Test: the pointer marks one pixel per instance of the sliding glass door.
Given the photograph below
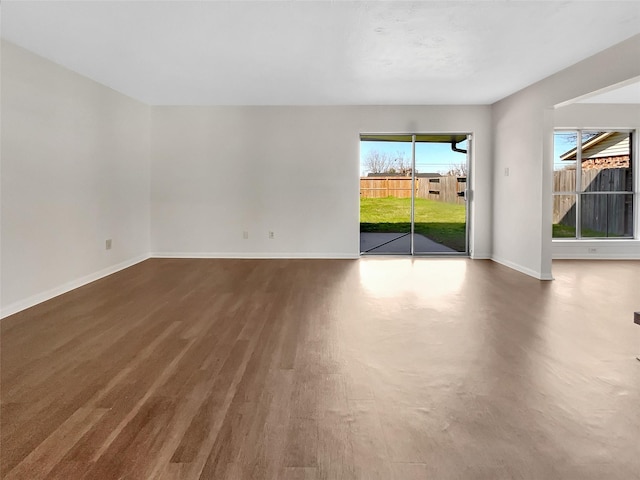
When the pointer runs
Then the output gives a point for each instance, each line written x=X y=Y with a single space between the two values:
x=413 y=194
x=386 y=194
x=440 y=207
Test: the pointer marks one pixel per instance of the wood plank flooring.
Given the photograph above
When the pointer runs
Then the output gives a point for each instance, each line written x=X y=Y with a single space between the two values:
x=379 y=368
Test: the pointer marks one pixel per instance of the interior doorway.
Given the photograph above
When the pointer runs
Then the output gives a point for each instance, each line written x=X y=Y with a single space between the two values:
x=413 y=194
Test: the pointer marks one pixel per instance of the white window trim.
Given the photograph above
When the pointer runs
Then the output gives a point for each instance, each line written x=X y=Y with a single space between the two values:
x=635 y=163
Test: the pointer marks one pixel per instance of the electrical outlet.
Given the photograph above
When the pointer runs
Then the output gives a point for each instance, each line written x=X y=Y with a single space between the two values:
x=107 y=244
x=272 y=235
x=245 y=234
x=592 y=250
x=506 y=171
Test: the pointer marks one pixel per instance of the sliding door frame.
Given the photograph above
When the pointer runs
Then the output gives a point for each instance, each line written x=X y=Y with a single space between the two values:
x=467 y=191
x=413 y=193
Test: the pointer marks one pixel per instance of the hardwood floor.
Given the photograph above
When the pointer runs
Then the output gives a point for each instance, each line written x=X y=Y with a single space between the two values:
x=380 y=368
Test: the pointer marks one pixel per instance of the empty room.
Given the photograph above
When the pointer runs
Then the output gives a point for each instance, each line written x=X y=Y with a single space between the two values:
x=320 y=240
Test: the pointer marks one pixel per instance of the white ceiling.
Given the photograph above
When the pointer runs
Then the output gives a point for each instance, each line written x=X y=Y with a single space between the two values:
x=317 y=52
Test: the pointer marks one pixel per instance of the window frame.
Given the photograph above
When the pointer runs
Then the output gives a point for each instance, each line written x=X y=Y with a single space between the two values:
x=579 y=193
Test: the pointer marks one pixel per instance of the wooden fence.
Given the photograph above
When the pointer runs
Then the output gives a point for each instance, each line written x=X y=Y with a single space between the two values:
x=609 y=214
x=448 y=189
x=594 y=180
x=382 y=187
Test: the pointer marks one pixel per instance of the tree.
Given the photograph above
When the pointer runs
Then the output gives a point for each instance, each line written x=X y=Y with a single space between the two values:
x=572 y=137
x=402 y=164
x=377 y=162
x=457 y=170
x=382 y=162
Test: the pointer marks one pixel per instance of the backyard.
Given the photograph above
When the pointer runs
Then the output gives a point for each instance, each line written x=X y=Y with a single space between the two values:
x=439 y=221
x=566 y=231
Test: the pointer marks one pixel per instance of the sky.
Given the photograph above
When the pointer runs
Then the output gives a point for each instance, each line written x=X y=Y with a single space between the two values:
x=562 y=143
x=438 y=157
x=430 y=157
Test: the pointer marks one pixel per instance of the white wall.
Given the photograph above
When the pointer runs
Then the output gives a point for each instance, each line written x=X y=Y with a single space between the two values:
x=597 y=115
x=522 y=139
x=75 y=171
x=78 y=160
x=600 y=116
x=217 y=171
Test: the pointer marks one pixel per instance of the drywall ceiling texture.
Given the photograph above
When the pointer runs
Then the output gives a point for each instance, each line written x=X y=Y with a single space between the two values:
x=320 y=52
x=75 y=172
x=523 y=142
x=219 y=171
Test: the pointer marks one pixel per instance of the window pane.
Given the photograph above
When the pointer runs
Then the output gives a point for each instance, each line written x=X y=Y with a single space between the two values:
x=564 y=216
x=564 y=161
x=606 y=216
x=606 y=165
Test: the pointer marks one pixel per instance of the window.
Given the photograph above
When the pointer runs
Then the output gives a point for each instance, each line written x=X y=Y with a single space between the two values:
x=593 y=184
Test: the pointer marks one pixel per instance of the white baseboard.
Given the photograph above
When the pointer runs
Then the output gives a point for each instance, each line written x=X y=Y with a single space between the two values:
x=258 y=255
x=521 y=269
x=54 y=292
x=598 y=256
x=480 y=256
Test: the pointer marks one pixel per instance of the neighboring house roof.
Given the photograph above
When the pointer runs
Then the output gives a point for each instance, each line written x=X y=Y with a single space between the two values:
x=604 y=144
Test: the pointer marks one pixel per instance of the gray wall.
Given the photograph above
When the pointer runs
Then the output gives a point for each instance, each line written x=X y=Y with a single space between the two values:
x=523 y=142
x=218 y=171
x=75 y=171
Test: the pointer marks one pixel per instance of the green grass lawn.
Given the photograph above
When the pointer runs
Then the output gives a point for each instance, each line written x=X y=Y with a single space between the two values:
x=566 y=231
x=563 y=231
x=441 y=222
